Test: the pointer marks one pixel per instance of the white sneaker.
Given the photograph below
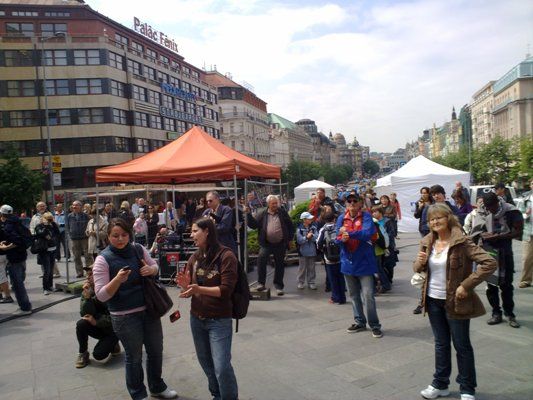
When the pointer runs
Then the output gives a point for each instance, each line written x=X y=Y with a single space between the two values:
x=21 y=312
x=300 y=286
x=47 y=292
x=432 y=393
x=167 y=394
x=465 y=396
x=312 y=286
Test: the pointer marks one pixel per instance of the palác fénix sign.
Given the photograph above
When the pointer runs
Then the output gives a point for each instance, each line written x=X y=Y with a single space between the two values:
x=144 y=29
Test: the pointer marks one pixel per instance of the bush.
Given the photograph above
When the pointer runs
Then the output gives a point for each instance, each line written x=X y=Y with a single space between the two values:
x=297 y=211
x=253 y=243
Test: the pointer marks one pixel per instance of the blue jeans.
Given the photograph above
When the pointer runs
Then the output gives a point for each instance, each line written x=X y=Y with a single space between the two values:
x=336 y=282
x=212 y=340
x=383 y=277
x=47 y=260
x=134 y=330
x=17 y=275
x=458 y=331
x=361 y=292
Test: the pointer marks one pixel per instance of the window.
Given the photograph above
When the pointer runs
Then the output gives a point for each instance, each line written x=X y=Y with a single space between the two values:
x=167 y=101
x=174 y=65
x=88 y=86
x=186 y=86
x=25 y=13
x=169 y=124
x=18 y=58
x=117 y=88
x=181 y=126
x=122 y=144
x=164 y=59
x=196 y=75
x=90 y=115
x=24 y=118
x=53 y=29
x=153 y=98
x=141 y=119
x=186 y=70
x=121 y=39
x=86 y=57
x=162 y=77
x=180 y=105
x=143 y=145
x=57 y=87
x=119 y=116
x=22 y=29
x=139 y=93
x=191 y=107
x=55 y=57
x=116 y=60
x=134 y=67
x=20 y=88
x=196 y=90
x=155 y=122
x=231 y=127
x=174 y=81
x=149 y=73
x=59 y=117
x=234 y=110
x=151 y=55
x=137 y=48
x=56 y=14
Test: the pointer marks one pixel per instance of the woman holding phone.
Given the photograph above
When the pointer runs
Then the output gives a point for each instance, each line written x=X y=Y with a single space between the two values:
x=449 y=299
x=209 y=278
x=118 y=273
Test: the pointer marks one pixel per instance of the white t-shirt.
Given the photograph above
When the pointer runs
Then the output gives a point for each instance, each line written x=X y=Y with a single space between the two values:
x=437 y=274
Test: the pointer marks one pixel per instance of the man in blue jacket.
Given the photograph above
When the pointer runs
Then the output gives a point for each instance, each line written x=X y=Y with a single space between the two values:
x=355 y=231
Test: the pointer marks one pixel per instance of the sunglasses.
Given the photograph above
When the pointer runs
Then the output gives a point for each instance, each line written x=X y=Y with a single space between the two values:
x=353 y=201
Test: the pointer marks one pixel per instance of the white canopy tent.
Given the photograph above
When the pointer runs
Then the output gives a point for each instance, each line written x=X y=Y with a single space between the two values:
x=305 y=190
x=407 y=181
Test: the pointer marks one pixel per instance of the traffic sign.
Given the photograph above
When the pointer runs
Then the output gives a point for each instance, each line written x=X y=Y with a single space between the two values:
x=56 y=164
x=57 y=179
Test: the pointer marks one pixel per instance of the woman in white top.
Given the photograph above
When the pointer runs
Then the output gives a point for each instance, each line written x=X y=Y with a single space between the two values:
x=448 y=297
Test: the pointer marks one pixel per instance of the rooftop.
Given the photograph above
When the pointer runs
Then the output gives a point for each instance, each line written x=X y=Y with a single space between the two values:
x=282 y=122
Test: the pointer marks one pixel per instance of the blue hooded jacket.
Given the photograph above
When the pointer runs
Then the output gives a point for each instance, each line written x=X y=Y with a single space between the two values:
x=362 y=261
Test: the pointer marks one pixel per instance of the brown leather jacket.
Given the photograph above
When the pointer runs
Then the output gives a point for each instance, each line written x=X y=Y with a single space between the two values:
x=462 y=252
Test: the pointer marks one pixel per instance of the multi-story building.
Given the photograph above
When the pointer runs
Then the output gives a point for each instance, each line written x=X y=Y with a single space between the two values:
x=513 y=102
x=289 y=141
x=321 y=144
x=452 y=133
x=243 y=117
x=345 y=154
x=481 y=115
x=111 y=93
x=397 y=159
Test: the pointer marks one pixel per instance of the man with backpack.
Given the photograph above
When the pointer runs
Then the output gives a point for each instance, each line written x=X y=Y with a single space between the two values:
x=18 y=239
x=327 y=243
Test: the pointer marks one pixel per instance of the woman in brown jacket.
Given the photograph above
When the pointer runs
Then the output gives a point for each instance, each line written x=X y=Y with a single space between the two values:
x=210 y=277
x=448 y=297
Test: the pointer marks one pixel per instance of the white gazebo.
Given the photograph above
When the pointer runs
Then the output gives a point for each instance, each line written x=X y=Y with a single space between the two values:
x=307 y=189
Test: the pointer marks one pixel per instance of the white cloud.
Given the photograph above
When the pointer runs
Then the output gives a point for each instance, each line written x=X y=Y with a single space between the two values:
x=381 y=72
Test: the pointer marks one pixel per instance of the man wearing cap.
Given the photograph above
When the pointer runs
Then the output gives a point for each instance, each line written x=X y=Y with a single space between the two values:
x=15 y=248
x=355 y=231
x=275 y=231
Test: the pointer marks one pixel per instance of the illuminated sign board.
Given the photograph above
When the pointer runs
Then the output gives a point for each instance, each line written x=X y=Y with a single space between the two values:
x=177 y=92
x=146 y=30
x=182 y=116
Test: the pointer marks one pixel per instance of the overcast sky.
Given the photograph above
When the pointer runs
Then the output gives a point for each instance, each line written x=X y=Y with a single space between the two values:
x=382 y=71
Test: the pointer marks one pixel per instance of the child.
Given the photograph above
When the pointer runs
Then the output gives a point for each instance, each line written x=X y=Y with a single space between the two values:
x=380 y=248
x=306 y=236
x=331 y=250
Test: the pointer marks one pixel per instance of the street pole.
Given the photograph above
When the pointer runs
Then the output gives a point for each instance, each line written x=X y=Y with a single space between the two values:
x=48 y=138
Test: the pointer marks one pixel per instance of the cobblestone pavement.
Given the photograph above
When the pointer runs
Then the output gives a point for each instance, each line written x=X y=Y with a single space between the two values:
x=291 y=347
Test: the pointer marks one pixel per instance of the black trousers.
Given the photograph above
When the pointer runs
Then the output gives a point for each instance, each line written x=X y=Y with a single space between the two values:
x=278 y=251
x=106 y=341
x=505 y=286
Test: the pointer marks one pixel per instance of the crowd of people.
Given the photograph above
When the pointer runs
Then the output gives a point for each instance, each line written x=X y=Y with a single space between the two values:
x=353 y=236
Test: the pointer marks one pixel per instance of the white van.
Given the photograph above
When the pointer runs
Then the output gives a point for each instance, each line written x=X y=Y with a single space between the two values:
x=477 y=191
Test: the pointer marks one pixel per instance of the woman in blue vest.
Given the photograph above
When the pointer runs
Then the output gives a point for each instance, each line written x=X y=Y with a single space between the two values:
x=118 y=273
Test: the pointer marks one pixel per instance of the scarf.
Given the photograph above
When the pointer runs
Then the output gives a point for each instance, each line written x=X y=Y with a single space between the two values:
x=126 y=252
x=498 y=222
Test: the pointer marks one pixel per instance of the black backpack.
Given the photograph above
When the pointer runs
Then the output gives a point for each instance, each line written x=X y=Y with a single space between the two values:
x=25 y=234
x=240 y=298
x=331 y=249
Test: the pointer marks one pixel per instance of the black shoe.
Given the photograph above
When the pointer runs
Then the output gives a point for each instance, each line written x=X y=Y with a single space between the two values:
x=418 y=310
x=513 y=323
x=376 y=332
x=5 y=300
x=356 y=328
x=496 y=319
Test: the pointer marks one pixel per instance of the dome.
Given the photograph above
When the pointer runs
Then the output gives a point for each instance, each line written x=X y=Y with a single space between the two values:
x=339 y=139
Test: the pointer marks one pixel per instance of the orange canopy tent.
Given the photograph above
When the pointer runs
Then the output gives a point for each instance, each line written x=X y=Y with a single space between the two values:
x=194 y=157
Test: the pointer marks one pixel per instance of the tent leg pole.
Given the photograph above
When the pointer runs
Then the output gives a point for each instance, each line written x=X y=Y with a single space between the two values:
x=245 y=222
x=239 y=244
x=97 y=219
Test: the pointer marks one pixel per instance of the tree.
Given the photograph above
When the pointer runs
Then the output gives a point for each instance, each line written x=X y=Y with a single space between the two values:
x=493 y=162
x=20 y=187
x=370 y=167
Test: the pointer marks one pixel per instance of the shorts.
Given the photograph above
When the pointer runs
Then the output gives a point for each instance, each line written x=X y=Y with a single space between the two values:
x=3 y=266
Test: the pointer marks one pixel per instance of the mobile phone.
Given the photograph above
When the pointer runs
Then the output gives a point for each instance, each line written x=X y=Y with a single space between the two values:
x=126 y=268
x=424 y=249
x=174 y=316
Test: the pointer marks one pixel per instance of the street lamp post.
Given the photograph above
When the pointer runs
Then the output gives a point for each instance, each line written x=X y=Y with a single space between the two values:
x=48 y=139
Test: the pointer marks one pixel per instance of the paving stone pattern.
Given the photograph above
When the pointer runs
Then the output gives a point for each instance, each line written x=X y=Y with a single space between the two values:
x=292 y=347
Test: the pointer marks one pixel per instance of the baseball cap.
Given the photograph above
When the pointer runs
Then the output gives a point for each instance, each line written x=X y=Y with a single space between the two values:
x=306 y=215
x=353 y=196
x=6 y=209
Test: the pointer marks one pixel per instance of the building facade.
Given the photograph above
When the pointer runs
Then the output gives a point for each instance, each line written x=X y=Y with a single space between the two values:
x=289 y=141
x=112 y=93
x=321 y=144
x=243 y=118
x=481 y=115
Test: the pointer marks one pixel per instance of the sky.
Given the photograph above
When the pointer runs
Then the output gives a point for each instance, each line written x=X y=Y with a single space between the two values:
x=381 y=71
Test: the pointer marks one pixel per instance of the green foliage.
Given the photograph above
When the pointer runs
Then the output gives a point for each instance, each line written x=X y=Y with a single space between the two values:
x=253 y=243
x=370 y=167
x=299 y=172
x=525 y=168
x=297 y=211
x=20 y=187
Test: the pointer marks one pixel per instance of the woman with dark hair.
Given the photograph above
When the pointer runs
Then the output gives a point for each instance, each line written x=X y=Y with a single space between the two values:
x=152 y=220
x=425 y=201
x=448 y=296
x=118 y=272
x=209 y=278
x=464 y=206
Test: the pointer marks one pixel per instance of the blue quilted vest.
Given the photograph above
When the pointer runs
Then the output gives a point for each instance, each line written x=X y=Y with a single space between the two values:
x=130 y=293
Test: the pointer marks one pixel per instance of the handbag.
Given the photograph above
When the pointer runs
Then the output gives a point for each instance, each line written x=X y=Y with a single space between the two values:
x=418 y=279
x=39 y=245
x=156 y=298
